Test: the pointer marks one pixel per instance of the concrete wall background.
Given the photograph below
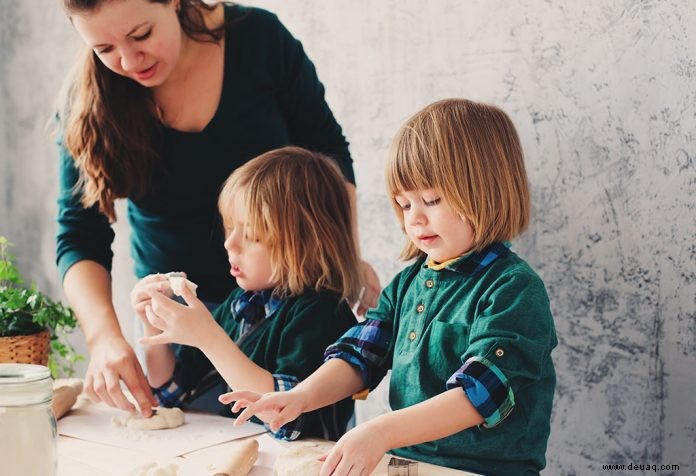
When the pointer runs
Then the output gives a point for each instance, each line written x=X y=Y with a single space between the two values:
x=604 y=97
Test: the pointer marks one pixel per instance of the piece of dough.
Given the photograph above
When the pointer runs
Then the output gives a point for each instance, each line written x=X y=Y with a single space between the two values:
x=65 y=392
x=164 y=418
x=177 y=283
x=301 y=460
x=240 y=459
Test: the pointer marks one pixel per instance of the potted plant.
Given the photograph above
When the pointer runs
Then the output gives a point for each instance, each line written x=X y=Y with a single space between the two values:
x=33 y=327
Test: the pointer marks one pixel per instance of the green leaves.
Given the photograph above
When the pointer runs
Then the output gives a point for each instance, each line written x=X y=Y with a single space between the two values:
x=25 y=311
x=8 y=271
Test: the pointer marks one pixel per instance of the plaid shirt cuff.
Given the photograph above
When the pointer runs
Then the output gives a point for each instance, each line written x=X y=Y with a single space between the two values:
x=291 y=430
x=364 y=346
x=487 y=389
x=169 y=394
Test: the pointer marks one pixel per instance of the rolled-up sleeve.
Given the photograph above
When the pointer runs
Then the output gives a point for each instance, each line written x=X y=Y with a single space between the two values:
x=293 y=429
x=508 y=348
x=365 y=347
x=487 y=389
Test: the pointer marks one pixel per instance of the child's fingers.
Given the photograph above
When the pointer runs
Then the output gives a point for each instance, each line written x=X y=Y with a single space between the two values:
x=240 y=404
x=331 y=462
x=155 y=340
x=244 y=416
x=140 y=309
x=163 y=305
x=230 y=397
x=154 y=319
x=189 y=297
x=142 y=289
x=284 y=416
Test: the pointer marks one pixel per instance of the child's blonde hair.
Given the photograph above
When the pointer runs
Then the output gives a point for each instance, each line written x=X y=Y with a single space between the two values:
x=471 y=154
x=297 y=204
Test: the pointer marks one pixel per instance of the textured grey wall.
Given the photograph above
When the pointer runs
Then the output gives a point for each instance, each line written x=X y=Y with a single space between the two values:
x=604 y=96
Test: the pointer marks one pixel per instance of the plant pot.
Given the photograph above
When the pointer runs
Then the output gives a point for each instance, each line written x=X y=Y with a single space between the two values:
x=26 y=349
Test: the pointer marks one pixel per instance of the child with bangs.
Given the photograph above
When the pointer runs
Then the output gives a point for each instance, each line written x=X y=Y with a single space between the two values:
x=295 y=259
x=466 y=330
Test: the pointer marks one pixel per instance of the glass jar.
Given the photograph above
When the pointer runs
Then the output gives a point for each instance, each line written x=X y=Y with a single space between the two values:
x=27 y=427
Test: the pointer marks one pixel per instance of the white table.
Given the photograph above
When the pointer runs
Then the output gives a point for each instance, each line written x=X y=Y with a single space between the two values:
x=78 y=457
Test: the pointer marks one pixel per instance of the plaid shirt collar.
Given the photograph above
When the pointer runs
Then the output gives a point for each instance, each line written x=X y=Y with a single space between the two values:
x=251 y=306
x=471 y=263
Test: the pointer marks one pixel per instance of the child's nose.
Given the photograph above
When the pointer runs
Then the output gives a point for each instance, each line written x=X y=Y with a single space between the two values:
x=416 y=217
x=230 y=242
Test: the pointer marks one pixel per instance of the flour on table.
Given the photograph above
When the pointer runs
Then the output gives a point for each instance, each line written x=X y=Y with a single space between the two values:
x=302 y=459
x=164 y=418
x=153 y=469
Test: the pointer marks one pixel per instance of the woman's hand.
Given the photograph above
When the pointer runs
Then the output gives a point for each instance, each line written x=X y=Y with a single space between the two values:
x=110 y=362
x=275 y=408
x=372 y=288
x=189 y=325
x=357 y=452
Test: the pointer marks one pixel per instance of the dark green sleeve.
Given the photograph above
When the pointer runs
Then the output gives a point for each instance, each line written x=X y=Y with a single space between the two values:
x=514 y=330
x=83 y=233
x=311 y=124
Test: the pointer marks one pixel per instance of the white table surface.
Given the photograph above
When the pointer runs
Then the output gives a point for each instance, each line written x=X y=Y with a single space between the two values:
x=78 y=457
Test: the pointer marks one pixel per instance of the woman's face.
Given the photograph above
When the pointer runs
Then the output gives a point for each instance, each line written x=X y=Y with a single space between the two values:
x=138 y=39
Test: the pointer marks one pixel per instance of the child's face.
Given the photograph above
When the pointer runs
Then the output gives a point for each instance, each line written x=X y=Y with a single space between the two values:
x=249 y=259
x=433 y=226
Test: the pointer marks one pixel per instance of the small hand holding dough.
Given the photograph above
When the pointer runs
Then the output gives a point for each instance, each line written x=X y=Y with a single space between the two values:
x=177 y=281
x=164 y=418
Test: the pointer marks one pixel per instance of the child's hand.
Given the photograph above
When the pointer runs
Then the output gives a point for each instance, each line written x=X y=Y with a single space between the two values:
x=243 y=399
x=189 y=325
x=275 y=408
x=140 y=297
x=358 y=452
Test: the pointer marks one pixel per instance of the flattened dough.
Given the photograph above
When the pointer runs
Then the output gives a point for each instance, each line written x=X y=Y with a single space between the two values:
x=177 y=283
x=301 y=460
x=164 y=418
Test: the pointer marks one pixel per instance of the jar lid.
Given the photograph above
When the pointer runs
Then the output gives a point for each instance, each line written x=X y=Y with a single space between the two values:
x=24 y=384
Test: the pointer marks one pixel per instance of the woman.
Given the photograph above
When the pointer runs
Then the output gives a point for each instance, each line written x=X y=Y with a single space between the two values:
x=169 y=98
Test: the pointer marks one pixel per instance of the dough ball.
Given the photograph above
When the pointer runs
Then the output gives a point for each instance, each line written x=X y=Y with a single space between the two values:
x=162 y=419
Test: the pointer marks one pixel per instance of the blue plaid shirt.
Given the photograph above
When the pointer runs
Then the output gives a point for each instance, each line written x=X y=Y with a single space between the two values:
x=367 y=347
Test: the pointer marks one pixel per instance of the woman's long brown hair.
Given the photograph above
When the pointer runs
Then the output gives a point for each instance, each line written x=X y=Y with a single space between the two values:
x=109 y=122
